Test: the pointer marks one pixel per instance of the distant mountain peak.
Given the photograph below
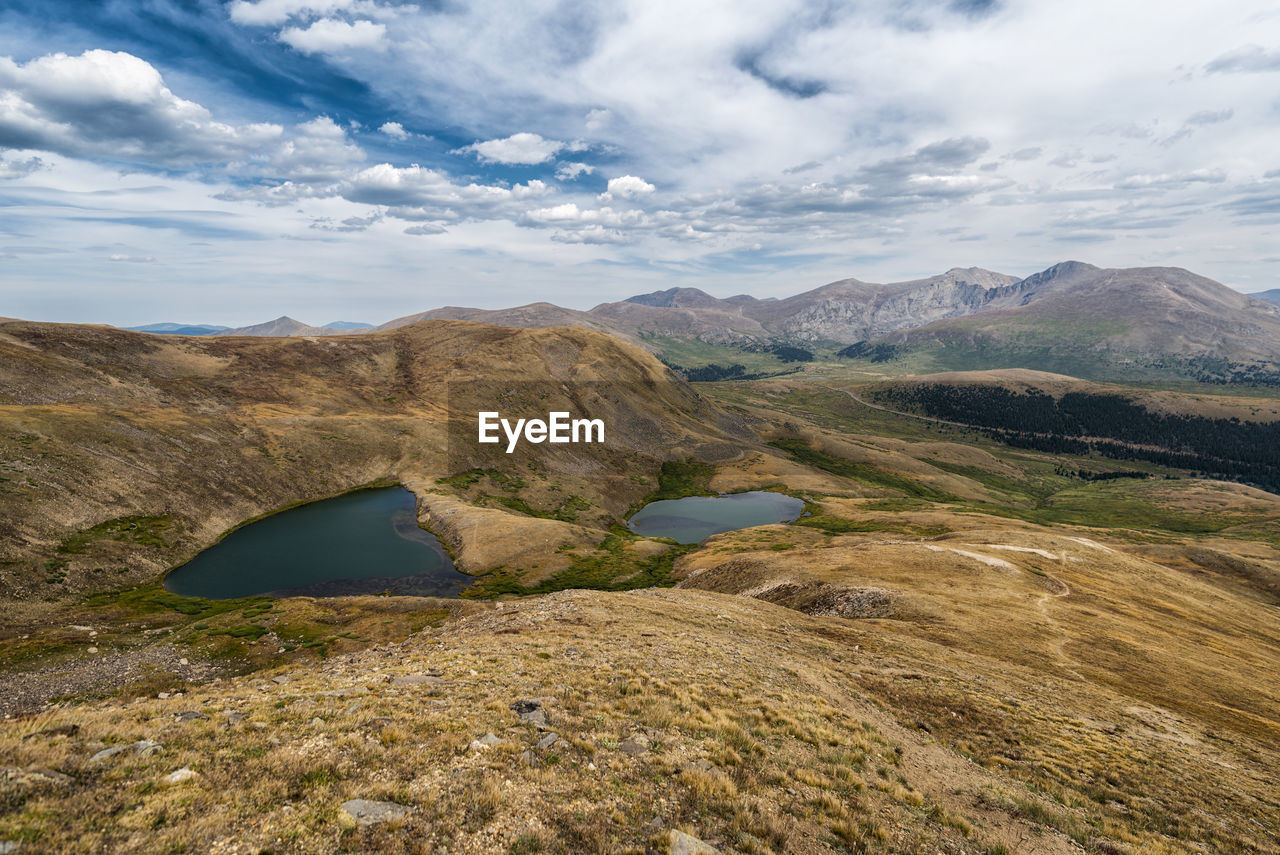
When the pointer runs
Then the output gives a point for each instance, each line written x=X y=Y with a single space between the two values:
x=688 y=298
x=347 y=325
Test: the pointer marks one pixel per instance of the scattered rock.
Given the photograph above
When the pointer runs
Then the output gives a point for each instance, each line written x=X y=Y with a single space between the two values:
x=190 y=715
x=92 y=650
x=280 y=680
x=316 y=722
x=10 y=847
x=679 y=843
x=532 y=711
x=33 y=777
x=547 y=741
x=181 y=776
x=184 y=662
x=143 y=747
x=486 y=741
x=366 y=812
x=701 y=765
x=528 y=758
x=234 y=717
x=632 y=747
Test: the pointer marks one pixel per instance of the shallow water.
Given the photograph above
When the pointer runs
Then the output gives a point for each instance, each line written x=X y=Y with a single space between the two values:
x=695 y=518
x=366 y=542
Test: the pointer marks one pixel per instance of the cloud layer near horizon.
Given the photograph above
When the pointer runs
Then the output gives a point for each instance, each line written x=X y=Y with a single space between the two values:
x=371 y=158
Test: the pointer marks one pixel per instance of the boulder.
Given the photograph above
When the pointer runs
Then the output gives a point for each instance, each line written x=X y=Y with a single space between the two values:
x=367 y=812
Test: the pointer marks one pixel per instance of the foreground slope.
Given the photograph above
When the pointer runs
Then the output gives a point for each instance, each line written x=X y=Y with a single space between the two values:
x=753 y=727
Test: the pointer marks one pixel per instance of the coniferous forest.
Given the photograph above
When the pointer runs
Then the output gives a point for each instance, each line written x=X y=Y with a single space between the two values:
x=1109 y=425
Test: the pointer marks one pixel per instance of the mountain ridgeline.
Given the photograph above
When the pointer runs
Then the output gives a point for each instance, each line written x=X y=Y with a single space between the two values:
x=1130 y=324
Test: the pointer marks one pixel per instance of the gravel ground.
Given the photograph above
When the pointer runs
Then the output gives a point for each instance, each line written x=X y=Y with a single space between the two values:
x=31 y=691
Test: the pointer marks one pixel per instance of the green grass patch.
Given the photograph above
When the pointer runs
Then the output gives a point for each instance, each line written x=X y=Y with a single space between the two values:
x=680 y=478
x=840 y=525
x=863 y=473
x=468 y=479
x=252 y=631
x=609 y=568
x=138 y=530
x=153 y=599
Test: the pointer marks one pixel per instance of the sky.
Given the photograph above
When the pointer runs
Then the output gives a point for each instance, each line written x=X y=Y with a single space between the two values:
x=203 y=161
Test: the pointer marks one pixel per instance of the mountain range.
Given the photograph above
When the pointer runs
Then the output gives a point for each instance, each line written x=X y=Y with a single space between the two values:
x=282 y=326
x=1072 y=317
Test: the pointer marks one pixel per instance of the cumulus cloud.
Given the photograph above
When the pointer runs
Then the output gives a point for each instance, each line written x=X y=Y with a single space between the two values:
x=113 y=104
x=418 y=193
x=627 y=187
x=570 y=171
x=329 y=35
x=522 y=148
x=395 y=130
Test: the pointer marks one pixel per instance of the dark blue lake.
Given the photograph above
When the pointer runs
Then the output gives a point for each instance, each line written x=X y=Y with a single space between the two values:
x=695 y=518
x=366 y=542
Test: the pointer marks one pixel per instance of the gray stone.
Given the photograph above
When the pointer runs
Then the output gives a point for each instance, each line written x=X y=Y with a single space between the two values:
x=488 y=740
x=632 y=747
x=281 y=680
x=547 y=741
x=679 y=843
x=367 y=812
x=181 y=776
x=144 y=748
x=33 y=777
x=190 y=715
x=532 y=711
x=10 y=847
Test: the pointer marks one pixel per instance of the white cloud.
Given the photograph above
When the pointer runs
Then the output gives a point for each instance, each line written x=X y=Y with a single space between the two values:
x=597 y=119
x=395 y=130
x=570 y=171
x=131 y=259
x=114 y=105
x=1197 y=176
x=522 y=148
x=319 y=150
x=627 y=187
x=328 y=35
x=421 y=194
x=598 y=235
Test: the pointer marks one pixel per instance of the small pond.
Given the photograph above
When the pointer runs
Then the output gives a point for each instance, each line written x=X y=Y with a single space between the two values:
x=695 y=518
x=366 y=542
